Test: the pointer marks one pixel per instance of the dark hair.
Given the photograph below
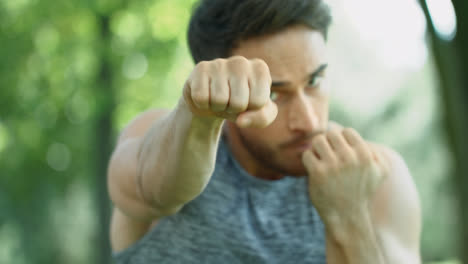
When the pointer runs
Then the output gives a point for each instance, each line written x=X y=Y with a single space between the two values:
x=217 y=26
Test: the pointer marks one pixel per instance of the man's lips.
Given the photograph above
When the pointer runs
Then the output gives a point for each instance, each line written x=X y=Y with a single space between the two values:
x=302 y=147
x=302 y=143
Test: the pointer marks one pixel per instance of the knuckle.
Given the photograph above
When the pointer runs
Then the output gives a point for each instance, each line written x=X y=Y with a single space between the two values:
x=237 y=67
x=259 y=64
x=261 y=71
x=334 y=125
x=217 y=65
x=237 y=61
x=219 y=60
x=199 y=97
x=202 y=66
x=259 y=89
x=349 y=131
x=237 y=106
x=257 y=102
x=238 y=58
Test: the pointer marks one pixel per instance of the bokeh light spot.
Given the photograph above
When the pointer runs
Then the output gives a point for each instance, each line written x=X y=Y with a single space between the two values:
x=4 y=137
x=58 y=156
x=46 y=114
x=77 y=110
x=46 y=40
x=168 y=19
x=395 y=29
x=127 y=26
x=15 y=6
x=135 y=66
x=443 y=17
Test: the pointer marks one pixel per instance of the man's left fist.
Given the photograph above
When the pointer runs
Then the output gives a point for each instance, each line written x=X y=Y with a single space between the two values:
x=344 y=172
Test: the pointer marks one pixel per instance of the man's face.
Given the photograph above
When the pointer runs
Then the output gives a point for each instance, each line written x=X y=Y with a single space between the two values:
x=297 y=60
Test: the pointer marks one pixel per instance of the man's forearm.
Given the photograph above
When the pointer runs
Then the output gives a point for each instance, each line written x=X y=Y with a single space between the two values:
x=352 y=240
x=177 y=157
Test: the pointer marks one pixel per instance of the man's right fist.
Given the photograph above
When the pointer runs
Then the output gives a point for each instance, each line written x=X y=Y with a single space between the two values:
x=235 y=88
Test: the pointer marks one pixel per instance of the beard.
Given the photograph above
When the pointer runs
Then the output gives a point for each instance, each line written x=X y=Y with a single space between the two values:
x=271 y=158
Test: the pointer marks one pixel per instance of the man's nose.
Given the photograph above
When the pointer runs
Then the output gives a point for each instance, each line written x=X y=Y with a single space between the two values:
x=302 y=115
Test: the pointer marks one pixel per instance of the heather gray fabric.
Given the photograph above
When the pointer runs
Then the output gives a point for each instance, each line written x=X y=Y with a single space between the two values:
x=237 y=219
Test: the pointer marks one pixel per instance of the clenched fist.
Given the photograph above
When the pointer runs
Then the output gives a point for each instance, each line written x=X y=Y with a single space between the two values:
x=235 y=88
x=344 y=172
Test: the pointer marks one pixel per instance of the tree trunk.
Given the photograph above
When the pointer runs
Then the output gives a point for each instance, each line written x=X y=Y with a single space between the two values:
x=103 y=146
x=451 y=59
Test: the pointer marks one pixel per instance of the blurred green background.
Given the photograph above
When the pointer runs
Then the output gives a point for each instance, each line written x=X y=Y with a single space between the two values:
x=73 y=73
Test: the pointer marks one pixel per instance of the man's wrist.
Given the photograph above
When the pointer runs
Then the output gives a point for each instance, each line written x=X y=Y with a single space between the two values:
x=355 y=235
x=343 y=227
x=184 y=108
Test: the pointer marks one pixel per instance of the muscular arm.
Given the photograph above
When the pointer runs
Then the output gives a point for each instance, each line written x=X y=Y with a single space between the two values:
x=177 y=147
x=165 y=159
x=396 y=214
x=392 y=236
x=383 y=228
x=151 y=172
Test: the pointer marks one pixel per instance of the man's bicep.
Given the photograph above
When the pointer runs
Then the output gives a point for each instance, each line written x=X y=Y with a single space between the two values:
x=122 y=182
x=397 y=213
x=124 y=230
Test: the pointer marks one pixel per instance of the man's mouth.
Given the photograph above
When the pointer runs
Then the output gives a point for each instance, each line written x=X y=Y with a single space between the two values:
x=301 y=143
x=302 y=146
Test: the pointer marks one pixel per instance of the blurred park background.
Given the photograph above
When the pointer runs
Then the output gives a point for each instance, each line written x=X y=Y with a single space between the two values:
x=73 y=73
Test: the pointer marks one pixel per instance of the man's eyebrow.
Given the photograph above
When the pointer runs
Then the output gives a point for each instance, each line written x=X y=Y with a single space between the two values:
x=319 y=70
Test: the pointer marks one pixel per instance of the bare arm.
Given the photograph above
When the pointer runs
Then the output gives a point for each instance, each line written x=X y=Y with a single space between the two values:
x=362 y=227
x=147 y=154
x=177 y=147
x=165 y=160
x=396 y=221
x=396 y=213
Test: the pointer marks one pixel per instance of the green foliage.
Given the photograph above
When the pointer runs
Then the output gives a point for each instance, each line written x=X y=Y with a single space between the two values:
x=52 y=53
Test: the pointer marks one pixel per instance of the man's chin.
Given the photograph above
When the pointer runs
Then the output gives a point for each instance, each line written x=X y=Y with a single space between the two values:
x=295 y=170
x=298 y=173
x=296 y=167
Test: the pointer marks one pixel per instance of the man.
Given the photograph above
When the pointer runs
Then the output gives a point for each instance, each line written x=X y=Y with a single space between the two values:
x=247 y=168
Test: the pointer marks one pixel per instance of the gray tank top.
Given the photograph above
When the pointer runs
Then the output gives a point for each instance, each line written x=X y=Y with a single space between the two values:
x=237 y=219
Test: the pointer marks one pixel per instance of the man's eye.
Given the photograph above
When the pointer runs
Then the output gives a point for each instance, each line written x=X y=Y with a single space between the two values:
x=273 y=96
x=314 y=82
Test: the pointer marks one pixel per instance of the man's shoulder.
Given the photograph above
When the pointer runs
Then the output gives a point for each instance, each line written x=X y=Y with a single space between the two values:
x=396 y=206
x=397 y=169
x=398 y=186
